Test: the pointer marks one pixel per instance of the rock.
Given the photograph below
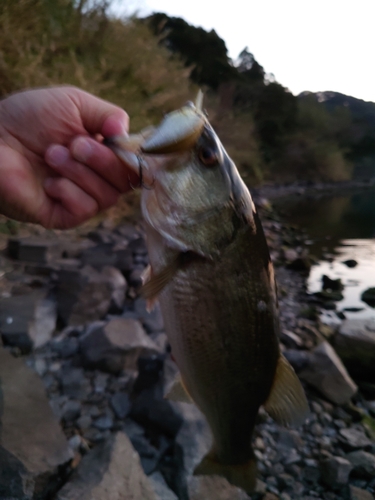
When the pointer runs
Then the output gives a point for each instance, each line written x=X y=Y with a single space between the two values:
x=104 y=423
x=33 y=448
x=83 y=295
x=65 y=347
x=328 y=375
x=359 y=494
x=74 y=384
x=84 y=422
x=335 y=471
x=149 y=455
x=115 y=346
x=353 y=439
x=120 y=404
x=327 y=295
x=151 y=409
x=33 y=249
x=27 y=321
x=160 y=487
x=71 y=410
x=110 y=471
x=214 y=488
x=99 y=256
x=152 y=320
x=290 y=254
x=368 y=296
x=330 y=284
x=350 y=263
x=118 y=285
x=194 y=436
x=290 y=339
x=300 y=264
x=363 y=463
x=355 y=344
x=298 y=359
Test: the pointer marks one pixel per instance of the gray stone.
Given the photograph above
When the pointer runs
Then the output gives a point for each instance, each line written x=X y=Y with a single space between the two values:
x=40 y=366
x=74 y=384
x=214 y=488
x=33 y=447
x=33 y=249
x=194 y=436
x=290 y=339
x=328 y=375
x=363 y=463
x=335 y=471
x=355 y=344
x=354 y=439
x=160 y=487
x=27 y=321
x=99 y=256
x=71 y=410
x=84 y=422
x=118 y=286
x=152 y=320
x=111 y=470
x=83 y=296
x=115 y=346
x=75 y=442
x=104 y=423
x=65 y=347
x=149 y=455
x=120 y=404
x=359 y=494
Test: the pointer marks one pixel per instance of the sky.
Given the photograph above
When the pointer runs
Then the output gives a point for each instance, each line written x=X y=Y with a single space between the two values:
x=315 y=46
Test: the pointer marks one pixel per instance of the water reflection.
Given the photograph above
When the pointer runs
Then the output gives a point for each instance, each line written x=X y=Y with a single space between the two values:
x=339 y=228
x=355 y=280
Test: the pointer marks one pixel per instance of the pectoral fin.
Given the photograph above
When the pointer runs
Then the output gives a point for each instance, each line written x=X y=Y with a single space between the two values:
x=155 y=282
x=241 y=475
x=287 y=403
x=178 y=392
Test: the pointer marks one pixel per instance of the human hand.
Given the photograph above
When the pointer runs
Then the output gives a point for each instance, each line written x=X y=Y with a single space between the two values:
x=53 y=168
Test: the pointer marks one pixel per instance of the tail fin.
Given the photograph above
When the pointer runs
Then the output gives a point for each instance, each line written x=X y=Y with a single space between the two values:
x=241 y=475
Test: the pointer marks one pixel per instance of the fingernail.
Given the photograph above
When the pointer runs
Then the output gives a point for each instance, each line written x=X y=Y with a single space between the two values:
x=57 y=155
x=81 y=149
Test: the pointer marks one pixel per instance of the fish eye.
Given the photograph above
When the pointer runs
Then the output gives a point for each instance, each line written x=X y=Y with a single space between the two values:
x=208 y=156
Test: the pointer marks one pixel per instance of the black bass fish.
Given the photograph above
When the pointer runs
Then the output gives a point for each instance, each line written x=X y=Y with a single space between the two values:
x=212 y=273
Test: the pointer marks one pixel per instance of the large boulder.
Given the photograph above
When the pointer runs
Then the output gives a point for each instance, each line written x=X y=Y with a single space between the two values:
x=325 y=371
x=355 y=344
x=112 y=470
x=32 y=445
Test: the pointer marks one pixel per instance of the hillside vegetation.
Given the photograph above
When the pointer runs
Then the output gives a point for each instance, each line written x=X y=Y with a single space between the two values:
x=154 y=65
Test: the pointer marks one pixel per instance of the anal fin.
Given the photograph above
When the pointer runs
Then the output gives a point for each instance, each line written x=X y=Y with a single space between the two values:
x=241 y=475
x=287 y=403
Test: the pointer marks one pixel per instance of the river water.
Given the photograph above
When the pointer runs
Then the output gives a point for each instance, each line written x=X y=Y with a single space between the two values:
x=338 y=228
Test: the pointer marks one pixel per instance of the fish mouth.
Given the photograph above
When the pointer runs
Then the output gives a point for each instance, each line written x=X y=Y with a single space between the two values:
x=178 y=132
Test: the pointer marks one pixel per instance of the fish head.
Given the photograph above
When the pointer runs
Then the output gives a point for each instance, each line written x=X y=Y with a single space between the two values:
x=193 y=187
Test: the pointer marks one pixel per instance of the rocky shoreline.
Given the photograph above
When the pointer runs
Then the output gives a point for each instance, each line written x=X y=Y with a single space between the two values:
x=72 y=322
